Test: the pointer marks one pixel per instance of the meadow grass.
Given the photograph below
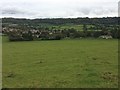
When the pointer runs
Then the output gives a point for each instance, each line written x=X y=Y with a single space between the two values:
x=0 y=61
x=80 y=63
x=77 y=27
x=70 y=26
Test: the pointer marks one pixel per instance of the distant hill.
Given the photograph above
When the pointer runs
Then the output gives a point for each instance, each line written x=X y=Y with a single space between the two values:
x=59 y=21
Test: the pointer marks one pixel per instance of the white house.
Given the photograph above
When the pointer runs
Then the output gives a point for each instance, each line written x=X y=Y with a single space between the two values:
x=106 y=37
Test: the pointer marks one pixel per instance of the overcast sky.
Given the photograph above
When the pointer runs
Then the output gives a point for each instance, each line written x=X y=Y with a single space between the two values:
x=58 y=8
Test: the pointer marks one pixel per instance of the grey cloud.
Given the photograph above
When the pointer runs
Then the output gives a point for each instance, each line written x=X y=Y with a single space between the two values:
x=58 y=8
x=16 y=11
x=84 y=11
x=12 y=11
x=96 y=11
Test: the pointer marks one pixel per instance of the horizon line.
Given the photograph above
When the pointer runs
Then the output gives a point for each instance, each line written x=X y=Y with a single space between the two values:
x=60 y=17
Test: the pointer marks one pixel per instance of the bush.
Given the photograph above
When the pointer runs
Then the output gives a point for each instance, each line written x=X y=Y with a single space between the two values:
x=15 y=36
x=19 y=36
x=27 y=36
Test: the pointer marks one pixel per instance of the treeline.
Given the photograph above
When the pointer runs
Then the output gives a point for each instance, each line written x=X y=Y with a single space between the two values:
x=29 y=35
x=59 y=21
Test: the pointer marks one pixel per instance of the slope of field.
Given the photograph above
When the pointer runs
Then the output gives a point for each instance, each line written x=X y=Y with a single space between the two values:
x=0 y=61
x=79 y=63
x=62 y=27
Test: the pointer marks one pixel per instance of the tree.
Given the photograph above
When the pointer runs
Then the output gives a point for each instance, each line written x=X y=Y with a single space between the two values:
x=15 y=36
x=84 y=28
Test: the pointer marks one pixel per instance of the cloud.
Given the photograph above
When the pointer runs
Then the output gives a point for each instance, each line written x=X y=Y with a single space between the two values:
x=12 y=11
x=119 y=8
x=59 y=8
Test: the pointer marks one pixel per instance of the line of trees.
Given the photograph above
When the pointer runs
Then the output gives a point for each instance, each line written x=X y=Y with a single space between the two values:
x=59 y=21
x=28 y=35
x=20 y=36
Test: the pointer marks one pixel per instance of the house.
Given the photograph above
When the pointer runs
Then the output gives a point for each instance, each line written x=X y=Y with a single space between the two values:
x=106 y=37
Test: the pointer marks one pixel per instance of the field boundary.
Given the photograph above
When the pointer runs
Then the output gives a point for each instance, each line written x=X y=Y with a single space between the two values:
x=0 y=53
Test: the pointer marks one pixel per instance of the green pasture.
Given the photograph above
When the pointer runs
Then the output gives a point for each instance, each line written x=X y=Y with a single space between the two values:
x=79 y=63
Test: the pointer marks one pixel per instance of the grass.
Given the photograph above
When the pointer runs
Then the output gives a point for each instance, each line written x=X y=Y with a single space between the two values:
x=70 y=26
x=66 y=26
x=62 y=27
x=0 y=62
x=82 y=63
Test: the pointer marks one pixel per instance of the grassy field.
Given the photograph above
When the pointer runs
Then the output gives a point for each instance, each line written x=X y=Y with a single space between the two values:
x=62 y=27
x=66 y=26
x=69 y=26
x=81 y=63
x=0 y=62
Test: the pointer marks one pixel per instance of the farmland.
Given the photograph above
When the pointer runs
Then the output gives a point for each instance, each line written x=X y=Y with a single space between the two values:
x=0 y=62
x=78 y=63
x=60 y=28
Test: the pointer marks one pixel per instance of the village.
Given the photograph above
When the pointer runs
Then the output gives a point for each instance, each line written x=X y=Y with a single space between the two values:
x=43 y=34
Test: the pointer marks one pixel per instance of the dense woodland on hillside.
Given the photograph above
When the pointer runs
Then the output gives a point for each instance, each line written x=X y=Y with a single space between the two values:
x=59 y=28
x=59 y=21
